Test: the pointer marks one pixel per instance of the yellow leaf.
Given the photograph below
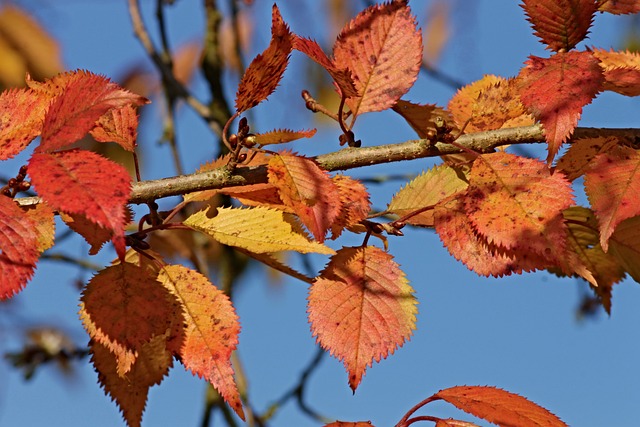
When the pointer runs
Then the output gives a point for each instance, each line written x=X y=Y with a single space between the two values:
x=258 y=230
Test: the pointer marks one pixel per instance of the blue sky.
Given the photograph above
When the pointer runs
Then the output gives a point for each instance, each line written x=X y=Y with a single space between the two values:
x=519 y=333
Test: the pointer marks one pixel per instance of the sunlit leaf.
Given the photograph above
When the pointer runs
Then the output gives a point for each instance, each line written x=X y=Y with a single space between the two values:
x=21 y=117
x=354 y=203
x=579 y=157
x=619 y=7
x=621 y=71
x=281 y=136
x=423 y=118
x=118 y=125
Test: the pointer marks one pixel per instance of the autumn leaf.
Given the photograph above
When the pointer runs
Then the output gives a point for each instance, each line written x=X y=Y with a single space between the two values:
x=560 y=24
x=84 y=99
x=21 y=117
x=266 y=70
x=131 y=389
x=361 y=308
x=619 y=7
x=621 y=71
x=82 y=182
x=263 y=194
x=423 y=119
x=258 y=230
x=308 y=190
x=94 y=234
x=43 y=223
x=516 y=203
x=119 y=125
x=18 y=248
x=612 y=185
x=210 y=330
x=354 y=203
x=350 y=424
x=624 y=244
x=499 y=407
x=555 y=89
x=449 y=422
x=382 y=48
x=281 y=136
x=579 y=157
x=425 y=191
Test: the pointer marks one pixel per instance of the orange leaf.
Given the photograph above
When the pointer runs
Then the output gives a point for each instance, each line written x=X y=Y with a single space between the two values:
x=307 y=190
x=43 y=224
x=517 y=204
x=341 y=76
x=82 y=182
x=354 y=204
x=612 y=185
x=350 y=424
x=499 y=407
x=281 y=136
x=555 y=89
x=621 y=71
x=560 y=24
x=449 y=422
x=579 y=157
x=210 y=331
x=131 y=389
x=423 y=118
x=361 y=308
x=93 y=233
x=266 y=70
x=382 y=48
x=21 y=116
x=118 y=125
x=437 y=30
x=73 y=113
x=18 y=248
x=619 y=7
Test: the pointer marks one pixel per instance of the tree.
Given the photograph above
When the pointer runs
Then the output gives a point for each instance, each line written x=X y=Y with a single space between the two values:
x=498 y=213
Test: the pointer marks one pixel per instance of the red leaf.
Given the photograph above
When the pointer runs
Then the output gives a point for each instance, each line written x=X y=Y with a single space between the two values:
x=499 y=407
x=621 y=71
x=361 y=308
x=560 y=24
x=281 y=136
x=619 y=7
x=306 y=189
x=612 y=185
x=82 y=182
x=350 y=424
x=266 y=70
x=382 y=48
x=555 y=89
x=18 y=248
x=21 y=116
x=120 y=126
x=341 y=76
x=84 y=98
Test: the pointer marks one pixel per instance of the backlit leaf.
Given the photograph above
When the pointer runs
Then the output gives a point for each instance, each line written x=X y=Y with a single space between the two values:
x=94 y=234
x=579 y=157
x=18 y=248
x=350 y=424
x=612 y=185
x=382 y=48
x=82 y=182
x=560 y=24
x=257 y=230
x=361 y=308
x=21 y=117
x=555 y=89
x=210 y=330
x=621 y=71
x=499 y=407
x=425 y=191
x=281 y=136
x=619 y=7
x=517 y=204
x=130 y=390
x=266 y=70
x=354 y=203
x=308 y=190
x=119 y=125
x=43 y=224
x=624 y=244
x=423 y=118
x=73 y=113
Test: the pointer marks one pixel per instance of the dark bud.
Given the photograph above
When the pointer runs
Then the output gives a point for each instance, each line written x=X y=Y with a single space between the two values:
x=233 y=140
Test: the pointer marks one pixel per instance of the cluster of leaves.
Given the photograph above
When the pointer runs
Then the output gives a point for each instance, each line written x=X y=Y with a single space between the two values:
x=498 y=213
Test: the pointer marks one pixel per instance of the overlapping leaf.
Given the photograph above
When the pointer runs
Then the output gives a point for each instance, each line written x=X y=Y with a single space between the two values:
x=423 y=118
x=555 y=89
x=621 y=71
x=624 y=244
x=560 y=24
x=210 y=332
x=257 y=230
x=266 y=70
x=118 y=125
x=350 y=424
x=619 y=7
x=361 y=308
x=579 y=157
x=354 y=203
x=308 y=190
x=613 y=188
x=517 y=204
x=80 y=100
x=281 y=136
x=499 y=407
x=382 y=48
x=21 y=117
x=426 y=191
x=82 y=182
